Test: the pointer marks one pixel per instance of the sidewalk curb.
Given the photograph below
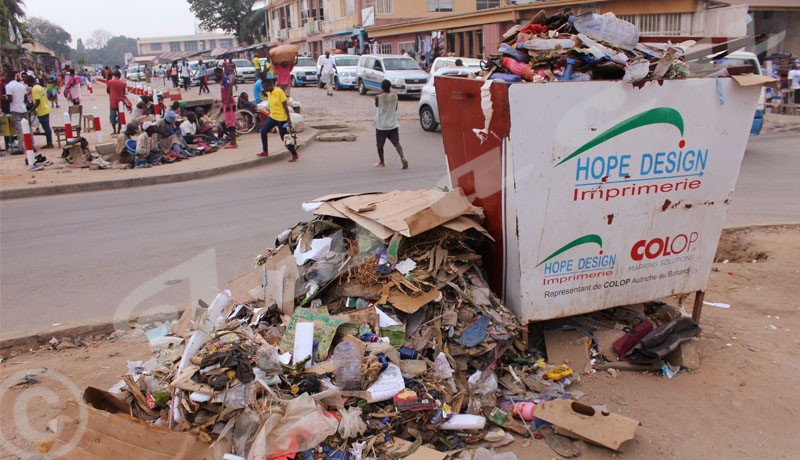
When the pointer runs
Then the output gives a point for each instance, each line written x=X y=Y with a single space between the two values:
x=13 y=194
x=36 y=338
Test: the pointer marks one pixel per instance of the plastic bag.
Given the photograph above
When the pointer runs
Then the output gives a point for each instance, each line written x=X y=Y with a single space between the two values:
x=302 y=426
x=351 y=425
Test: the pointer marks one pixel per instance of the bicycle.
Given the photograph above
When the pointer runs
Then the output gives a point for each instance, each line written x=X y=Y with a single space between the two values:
x=247 y=121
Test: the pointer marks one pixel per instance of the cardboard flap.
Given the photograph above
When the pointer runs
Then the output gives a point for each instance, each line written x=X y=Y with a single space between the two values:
x=587 y=422
x=755 y=80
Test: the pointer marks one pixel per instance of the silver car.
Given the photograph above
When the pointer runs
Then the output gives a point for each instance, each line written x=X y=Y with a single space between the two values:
x=402 y=71
x=428 y=107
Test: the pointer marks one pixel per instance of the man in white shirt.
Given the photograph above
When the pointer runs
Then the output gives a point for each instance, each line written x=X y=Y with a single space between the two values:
x=328 y=69
x=16 y=91
x=794 y=78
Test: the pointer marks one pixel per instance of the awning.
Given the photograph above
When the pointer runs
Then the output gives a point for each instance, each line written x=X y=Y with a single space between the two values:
x=145 y=59
x=38 y=48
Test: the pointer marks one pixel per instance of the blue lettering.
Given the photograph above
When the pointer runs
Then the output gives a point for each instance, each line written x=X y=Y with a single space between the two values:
x=647 y=163
x=659 y=163
x=671 y=162
x=624 y=164
x=598 y=161
x=557 y=266
x=582 y=168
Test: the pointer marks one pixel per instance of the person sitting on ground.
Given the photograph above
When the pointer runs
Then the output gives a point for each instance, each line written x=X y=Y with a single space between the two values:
x=206 y=125
x=189 y=129
x=244 y=103
x=146 y=146
x=126 y=157
x=169 y=140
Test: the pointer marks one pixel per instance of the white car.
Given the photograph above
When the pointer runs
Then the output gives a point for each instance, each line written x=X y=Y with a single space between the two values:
x=346 y=70
x=445 y=62
x=428 y=107
x=244 y=70
x=304 y=72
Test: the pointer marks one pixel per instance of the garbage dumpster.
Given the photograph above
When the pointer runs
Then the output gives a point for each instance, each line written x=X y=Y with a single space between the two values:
x=598 y=193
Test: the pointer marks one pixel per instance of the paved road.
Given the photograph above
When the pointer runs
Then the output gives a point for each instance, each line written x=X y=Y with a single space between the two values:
x=75 y=258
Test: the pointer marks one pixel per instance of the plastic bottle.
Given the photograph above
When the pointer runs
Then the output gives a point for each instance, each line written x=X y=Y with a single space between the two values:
x=348 y=366
x=608 y=28
x=567 y=75
x=520 y=56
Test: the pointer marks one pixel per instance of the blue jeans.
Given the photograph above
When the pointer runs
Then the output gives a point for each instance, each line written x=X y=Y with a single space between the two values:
x=44 y=121
x=282 y=131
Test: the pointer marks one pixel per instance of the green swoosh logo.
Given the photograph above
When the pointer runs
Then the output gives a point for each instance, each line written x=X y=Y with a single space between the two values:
x=658 y=115
x=586 y=239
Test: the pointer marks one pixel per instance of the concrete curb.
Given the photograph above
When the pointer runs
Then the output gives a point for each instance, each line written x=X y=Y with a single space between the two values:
x=150 y=180
x=34 y=339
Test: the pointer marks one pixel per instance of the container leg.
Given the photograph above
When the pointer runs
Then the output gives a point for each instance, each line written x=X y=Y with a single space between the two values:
x=698 y=305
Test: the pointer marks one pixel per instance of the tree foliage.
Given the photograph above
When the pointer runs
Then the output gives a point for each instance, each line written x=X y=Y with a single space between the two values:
x=99 y=39
x=50 y=35
x=111 y=54
x=227 y=15
x=11 y=10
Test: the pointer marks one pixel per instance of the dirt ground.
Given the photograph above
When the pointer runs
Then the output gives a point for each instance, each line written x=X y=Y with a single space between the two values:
x=740 y=404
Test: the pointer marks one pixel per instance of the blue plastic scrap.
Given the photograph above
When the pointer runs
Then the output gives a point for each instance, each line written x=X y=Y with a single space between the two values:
x=476 y=332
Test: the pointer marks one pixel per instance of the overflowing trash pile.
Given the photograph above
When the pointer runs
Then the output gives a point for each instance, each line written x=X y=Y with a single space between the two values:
x=370 y=332
x=590 y=46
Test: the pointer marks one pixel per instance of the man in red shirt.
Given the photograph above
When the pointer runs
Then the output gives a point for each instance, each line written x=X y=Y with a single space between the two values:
x=116 y=93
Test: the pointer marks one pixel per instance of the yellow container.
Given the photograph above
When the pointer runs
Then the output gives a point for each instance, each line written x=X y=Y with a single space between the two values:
x=7 y=126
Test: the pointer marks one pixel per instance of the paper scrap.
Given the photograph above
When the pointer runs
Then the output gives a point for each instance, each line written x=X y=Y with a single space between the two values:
x=319 y=248
x=405 y=267
x=385 y=320
x=389 y=383
x=409 y=304
x=717 y=304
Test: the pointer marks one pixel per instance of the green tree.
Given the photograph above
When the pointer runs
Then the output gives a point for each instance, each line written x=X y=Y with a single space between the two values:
x=50 y=35
x=227 y=15
x=79 y=47
x=11 y=10
x=253 y=28
x=99 y=39
x=112 y=53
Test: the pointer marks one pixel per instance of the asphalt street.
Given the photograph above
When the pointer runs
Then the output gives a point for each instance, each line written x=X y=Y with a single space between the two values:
x=73 y=258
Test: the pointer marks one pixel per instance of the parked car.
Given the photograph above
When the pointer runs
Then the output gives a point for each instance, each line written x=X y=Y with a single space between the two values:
x=304 y=72
x=135 y=73
x=244 y=70
x=346 y=70
x=402 y=71
x=428 y=107
x=445 y=62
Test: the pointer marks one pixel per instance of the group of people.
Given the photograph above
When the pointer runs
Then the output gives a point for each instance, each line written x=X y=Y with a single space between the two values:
x=182 y=73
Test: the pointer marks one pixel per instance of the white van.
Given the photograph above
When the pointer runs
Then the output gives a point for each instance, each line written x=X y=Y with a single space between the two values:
x=135 y=73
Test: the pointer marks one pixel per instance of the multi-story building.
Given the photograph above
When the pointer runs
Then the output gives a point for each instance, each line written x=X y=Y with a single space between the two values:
x=318 y=25
x=158 y=46
x=474 y=28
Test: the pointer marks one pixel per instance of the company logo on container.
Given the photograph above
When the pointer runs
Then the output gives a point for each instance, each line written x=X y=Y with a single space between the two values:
x=665 y=246
x=558 y=269
x=607 y=176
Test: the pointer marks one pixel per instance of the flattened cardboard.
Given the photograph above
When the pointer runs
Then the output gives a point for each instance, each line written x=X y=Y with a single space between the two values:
x=120 y=437
x=567 y=347
x=574 y=419
x=282 y=276
x=249 y=287
x=409 y=304
x=755 y=80
x=422 y=452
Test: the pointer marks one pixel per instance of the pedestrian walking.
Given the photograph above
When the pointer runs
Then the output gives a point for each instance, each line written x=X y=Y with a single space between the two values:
x=42 y=109
x=116 y=94
x=186 y=75
x=278 y=118
x=5 y=103
x=794 y=82
x=173 y=73
x=148 y=73
x=73 y=88
x=228 y=106
x=15 y=94
x=284 y=73
x=328 y=70
x=202 y=73
x=386 y=124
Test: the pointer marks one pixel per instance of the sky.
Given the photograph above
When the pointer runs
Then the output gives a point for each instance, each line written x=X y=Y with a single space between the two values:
x=132 y=18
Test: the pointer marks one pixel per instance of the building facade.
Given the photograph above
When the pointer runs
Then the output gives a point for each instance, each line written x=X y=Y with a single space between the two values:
x=157 y=46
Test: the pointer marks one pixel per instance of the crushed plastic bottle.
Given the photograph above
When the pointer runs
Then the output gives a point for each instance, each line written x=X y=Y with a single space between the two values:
x=608 y=28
